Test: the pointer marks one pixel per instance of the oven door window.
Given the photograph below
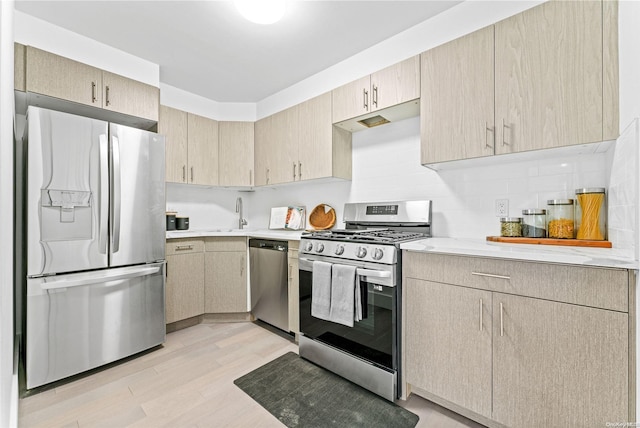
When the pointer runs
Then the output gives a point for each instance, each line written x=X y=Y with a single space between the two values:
x=372 y=339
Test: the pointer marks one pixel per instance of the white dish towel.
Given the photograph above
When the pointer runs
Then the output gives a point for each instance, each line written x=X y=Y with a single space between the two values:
x=343 y=289
x=321 y=290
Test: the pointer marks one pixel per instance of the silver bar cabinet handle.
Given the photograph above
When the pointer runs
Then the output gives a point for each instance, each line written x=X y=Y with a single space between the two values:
x=294 y=171
x=184 y=173
x=375 y=96
x=504 y=126
x=241 y=265
x=490 y=275
x=250 y=177
x=93 y=92
x=365 y=99
x=184 y=247
x=486 y=140
x=107 y=96
x=192 y=174
x=299 y=170
x=481 y=315
x=267 y=175
x=501 y=320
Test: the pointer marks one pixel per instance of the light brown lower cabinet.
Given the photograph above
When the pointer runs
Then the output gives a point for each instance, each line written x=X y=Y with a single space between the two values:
x=185 y=280
x=481 y=339
x=225 y=289
x=294 y=292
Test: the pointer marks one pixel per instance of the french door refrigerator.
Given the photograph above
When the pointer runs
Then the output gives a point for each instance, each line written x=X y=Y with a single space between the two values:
x=95 y=243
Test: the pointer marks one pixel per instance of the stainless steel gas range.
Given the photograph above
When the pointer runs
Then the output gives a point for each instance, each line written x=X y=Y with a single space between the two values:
x=351 y=292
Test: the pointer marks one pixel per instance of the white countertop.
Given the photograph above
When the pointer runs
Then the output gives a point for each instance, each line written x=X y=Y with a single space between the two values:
x=287 y=235
x=602 y=257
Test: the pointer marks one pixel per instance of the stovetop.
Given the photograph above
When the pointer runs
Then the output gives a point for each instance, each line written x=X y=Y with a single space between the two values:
x=381 y=236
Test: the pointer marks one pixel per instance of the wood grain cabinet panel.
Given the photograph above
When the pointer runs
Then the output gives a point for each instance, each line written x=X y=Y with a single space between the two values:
x=172 y=124
x=284 y=146
x=558 y=365
x=392 y=85
x=457 y=96
x=448 y=342
x=236 y=153
x=549 y=362
x=202 y=150
x=264 y=149
x=184 y=292
x=131 y=97
x=293 y=288
x=19 y=59
x=225 y=282
x=60 y=77
x=549 y=77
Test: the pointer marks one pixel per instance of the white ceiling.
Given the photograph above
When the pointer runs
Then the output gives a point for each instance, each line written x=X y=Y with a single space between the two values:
x=207 y=48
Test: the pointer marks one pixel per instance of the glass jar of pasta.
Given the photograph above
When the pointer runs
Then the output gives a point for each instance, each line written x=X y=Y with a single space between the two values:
x=560 y=220
x=591 y=214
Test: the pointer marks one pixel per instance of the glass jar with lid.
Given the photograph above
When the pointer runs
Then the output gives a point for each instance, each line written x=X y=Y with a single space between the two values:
x=591 y=214
x=534 y=223
x=511 y=226
x=560 y=218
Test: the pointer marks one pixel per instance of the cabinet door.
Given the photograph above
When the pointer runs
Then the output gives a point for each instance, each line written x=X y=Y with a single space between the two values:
x=60 y=77
x=549 y=78
x=172 y=124
x=236 y=153
x=19 y=66
x=557 y=364
x=202 y=150
x=225 y=282
x=456 y=106
x=263 y=151
x=129 y=96
x=448 y=342
x=184 y=293
x=284 y=146
x=315 y=151
x=396 y=84
x=294 y=292
x=351 y=100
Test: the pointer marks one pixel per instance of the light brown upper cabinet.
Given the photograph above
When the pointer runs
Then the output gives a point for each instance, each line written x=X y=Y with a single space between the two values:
x=236 y=153
x=300 y=143
x=456 y=103
x=60 y=77
x=385 y=88
x=555 y=69
x=191 y=147
x=18 y=67
x=549 y=76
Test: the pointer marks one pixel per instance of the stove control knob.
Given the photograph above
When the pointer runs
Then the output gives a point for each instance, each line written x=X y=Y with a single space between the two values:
x=339 y=250
x=361 y=252
x=377 y=254
x=308 y=246
x=320 y=247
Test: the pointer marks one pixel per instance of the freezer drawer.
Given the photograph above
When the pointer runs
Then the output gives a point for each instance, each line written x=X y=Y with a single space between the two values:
x=81 y=321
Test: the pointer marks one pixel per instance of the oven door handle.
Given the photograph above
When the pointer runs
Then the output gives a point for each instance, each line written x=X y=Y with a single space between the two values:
x=373 y=273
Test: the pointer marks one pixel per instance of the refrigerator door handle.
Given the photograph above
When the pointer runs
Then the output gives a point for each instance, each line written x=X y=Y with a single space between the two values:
x=99 y=278
x=104 y=194
x=116 y=194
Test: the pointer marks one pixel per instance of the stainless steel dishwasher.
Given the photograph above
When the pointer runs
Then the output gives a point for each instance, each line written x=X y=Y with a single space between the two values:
x=269 y=282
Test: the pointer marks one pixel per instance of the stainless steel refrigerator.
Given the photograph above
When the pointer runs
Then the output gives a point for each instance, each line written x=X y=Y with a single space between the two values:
x=94 y=195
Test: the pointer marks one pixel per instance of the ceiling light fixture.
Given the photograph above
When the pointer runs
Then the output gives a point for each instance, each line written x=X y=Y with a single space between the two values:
x=262 y=11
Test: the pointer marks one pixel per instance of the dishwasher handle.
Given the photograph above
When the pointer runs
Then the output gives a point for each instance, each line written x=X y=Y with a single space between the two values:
x=265 y=244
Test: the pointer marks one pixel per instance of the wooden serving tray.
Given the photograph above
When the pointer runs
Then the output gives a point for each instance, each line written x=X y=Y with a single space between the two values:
x=551 y=241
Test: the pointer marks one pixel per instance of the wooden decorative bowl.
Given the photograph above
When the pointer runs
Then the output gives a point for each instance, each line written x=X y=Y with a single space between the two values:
x=322 y=217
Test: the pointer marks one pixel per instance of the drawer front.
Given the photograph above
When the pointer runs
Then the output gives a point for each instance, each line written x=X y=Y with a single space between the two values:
x=184 y=246
x=588 y=286
x=226 y=243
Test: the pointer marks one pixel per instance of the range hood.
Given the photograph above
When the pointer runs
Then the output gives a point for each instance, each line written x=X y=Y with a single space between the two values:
x=381 y=117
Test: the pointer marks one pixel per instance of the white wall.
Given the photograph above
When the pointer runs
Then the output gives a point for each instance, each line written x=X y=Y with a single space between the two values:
x=43 y=35
x=8 y=376
x=629 y=51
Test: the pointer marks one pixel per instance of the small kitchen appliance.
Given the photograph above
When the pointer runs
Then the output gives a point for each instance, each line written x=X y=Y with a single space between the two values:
x=367 y=352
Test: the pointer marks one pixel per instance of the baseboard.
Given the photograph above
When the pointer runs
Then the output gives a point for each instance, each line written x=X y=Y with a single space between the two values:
x=229 y=317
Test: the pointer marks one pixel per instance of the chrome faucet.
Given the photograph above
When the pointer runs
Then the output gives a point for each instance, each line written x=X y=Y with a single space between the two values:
x=241 y=221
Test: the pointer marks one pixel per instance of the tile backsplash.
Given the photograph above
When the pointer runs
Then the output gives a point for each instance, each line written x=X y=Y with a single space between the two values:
x=386 y=166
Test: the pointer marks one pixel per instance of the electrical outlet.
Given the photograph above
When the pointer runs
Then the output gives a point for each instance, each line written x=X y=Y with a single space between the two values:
x=502 y=207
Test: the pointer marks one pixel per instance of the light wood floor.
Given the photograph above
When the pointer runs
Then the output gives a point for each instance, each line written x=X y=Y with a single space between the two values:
x=186 y=383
